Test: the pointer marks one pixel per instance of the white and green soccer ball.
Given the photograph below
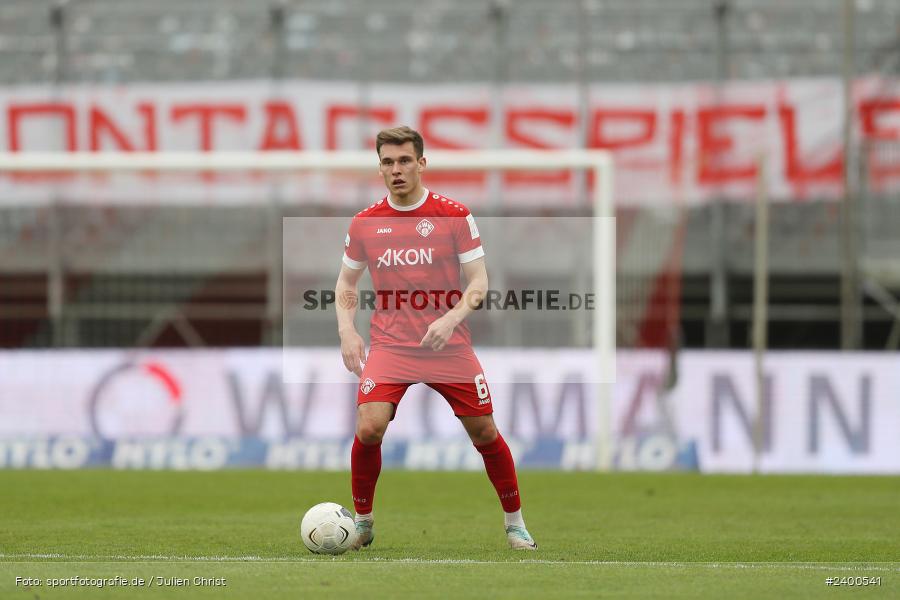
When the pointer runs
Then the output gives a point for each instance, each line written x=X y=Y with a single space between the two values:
x=328 y=528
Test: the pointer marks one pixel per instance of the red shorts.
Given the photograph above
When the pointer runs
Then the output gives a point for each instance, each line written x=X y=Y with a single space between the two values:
x=457 y=376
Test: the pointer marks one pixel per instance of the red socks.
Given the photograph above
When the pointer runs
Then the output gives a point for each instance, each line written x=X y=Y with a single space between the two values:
x=365 y=466
x=501 y=470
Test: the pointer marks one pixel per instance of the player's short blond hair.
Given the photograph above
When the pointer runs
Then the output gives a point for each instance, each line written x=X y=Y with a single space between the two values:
x=398 y=136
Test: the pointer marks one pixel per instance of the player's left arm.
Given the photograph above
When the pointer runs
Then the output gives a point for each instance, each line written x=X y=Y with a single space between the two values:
x=440 y=330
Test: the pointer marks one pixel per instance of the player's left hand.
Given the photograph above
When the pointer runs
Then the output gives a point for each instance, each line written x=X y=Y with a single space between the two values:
x=439 y=332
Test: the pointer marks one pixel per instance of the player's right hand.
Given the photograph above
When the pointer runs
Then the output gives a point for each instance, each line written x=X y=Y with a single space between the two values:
x=353 y=351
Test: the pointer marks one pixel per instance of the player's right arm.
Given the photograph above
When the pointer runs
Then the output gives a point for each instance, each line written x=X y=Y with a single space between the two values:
x=353 y=349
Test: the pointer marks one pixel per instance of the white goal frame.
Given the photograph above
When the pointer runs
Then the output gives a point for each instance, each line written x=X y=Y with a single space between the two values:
x=599 y=162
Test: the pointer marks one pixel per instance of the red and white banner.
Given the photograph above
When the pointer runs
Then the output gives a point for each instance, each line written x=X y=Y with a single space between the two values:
x=674 y=143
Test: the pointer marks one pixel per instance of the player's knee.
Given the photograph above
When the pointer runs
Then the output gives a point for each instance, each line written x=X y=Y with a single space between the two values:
x=369 y=432
x=485 y=434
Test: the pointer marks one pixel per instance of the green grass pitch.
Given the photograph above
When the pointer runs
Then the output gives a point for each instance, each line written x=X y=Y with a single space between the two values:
x=440 y=535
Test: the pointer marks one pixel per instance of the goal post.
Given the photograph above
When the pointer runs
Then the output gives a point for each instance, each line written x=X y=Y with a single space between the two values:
x=597 y=162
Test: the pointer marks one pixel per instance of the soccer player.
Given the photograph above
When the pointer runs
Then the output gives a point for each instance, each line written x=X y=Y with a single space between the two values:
x=414 y=241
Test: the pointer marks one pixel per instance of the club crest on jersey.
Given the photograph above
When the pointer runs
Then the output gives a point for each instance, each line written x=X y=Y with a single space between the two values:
x=425 y=227
x=367 y=386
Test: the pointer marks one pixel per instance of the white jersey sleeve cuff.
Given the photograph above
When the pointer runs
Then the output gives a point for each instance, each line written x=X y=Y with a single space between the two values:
x=353 y=264
x=471 y=255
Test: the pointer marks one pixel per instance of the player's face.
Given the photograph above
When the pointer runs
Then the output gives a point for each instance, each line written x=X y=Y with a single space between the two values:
x=400 y=168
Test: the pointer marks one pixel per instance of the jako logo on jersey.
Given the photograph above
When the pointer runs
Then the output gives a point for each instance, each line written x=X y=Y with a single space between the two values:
x=411 y=256
x=367 y=386
x=483 y=402
x=425 y=227
x=383 y=230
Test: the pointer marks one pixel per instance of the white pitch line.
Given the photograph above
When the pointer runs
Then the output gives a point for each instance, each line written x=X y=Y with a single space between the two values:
x=452 y=561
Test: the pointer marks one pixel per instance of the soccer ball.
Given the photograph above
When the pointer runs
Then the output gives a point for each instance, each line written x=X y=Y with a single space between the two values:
x=328 y=528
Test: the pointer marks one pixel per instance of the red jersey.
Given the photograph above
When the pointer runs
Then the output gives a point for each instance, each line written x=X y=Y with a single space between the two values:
x=413 y=254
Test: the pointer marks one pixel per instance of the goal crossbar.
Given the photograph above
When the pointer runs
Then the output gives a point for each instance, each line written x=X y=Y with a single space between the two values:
x=339 y=160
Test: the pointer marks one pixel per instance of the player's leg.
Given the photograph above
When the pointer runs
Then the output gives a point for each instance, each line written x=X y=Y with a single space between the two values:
x=376 y=400
x=372 y=419
x=501 y=470
x=470 y=399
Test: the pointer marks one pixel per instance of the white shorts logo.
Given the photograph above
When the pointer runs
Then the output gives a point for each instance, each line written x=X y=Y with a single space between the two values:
x=367 y=386
x=425 y=227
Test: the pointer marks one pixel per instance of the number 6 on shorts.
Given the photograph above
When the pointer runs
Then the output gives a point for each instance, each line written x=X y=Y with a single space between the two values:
x=481 y=386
